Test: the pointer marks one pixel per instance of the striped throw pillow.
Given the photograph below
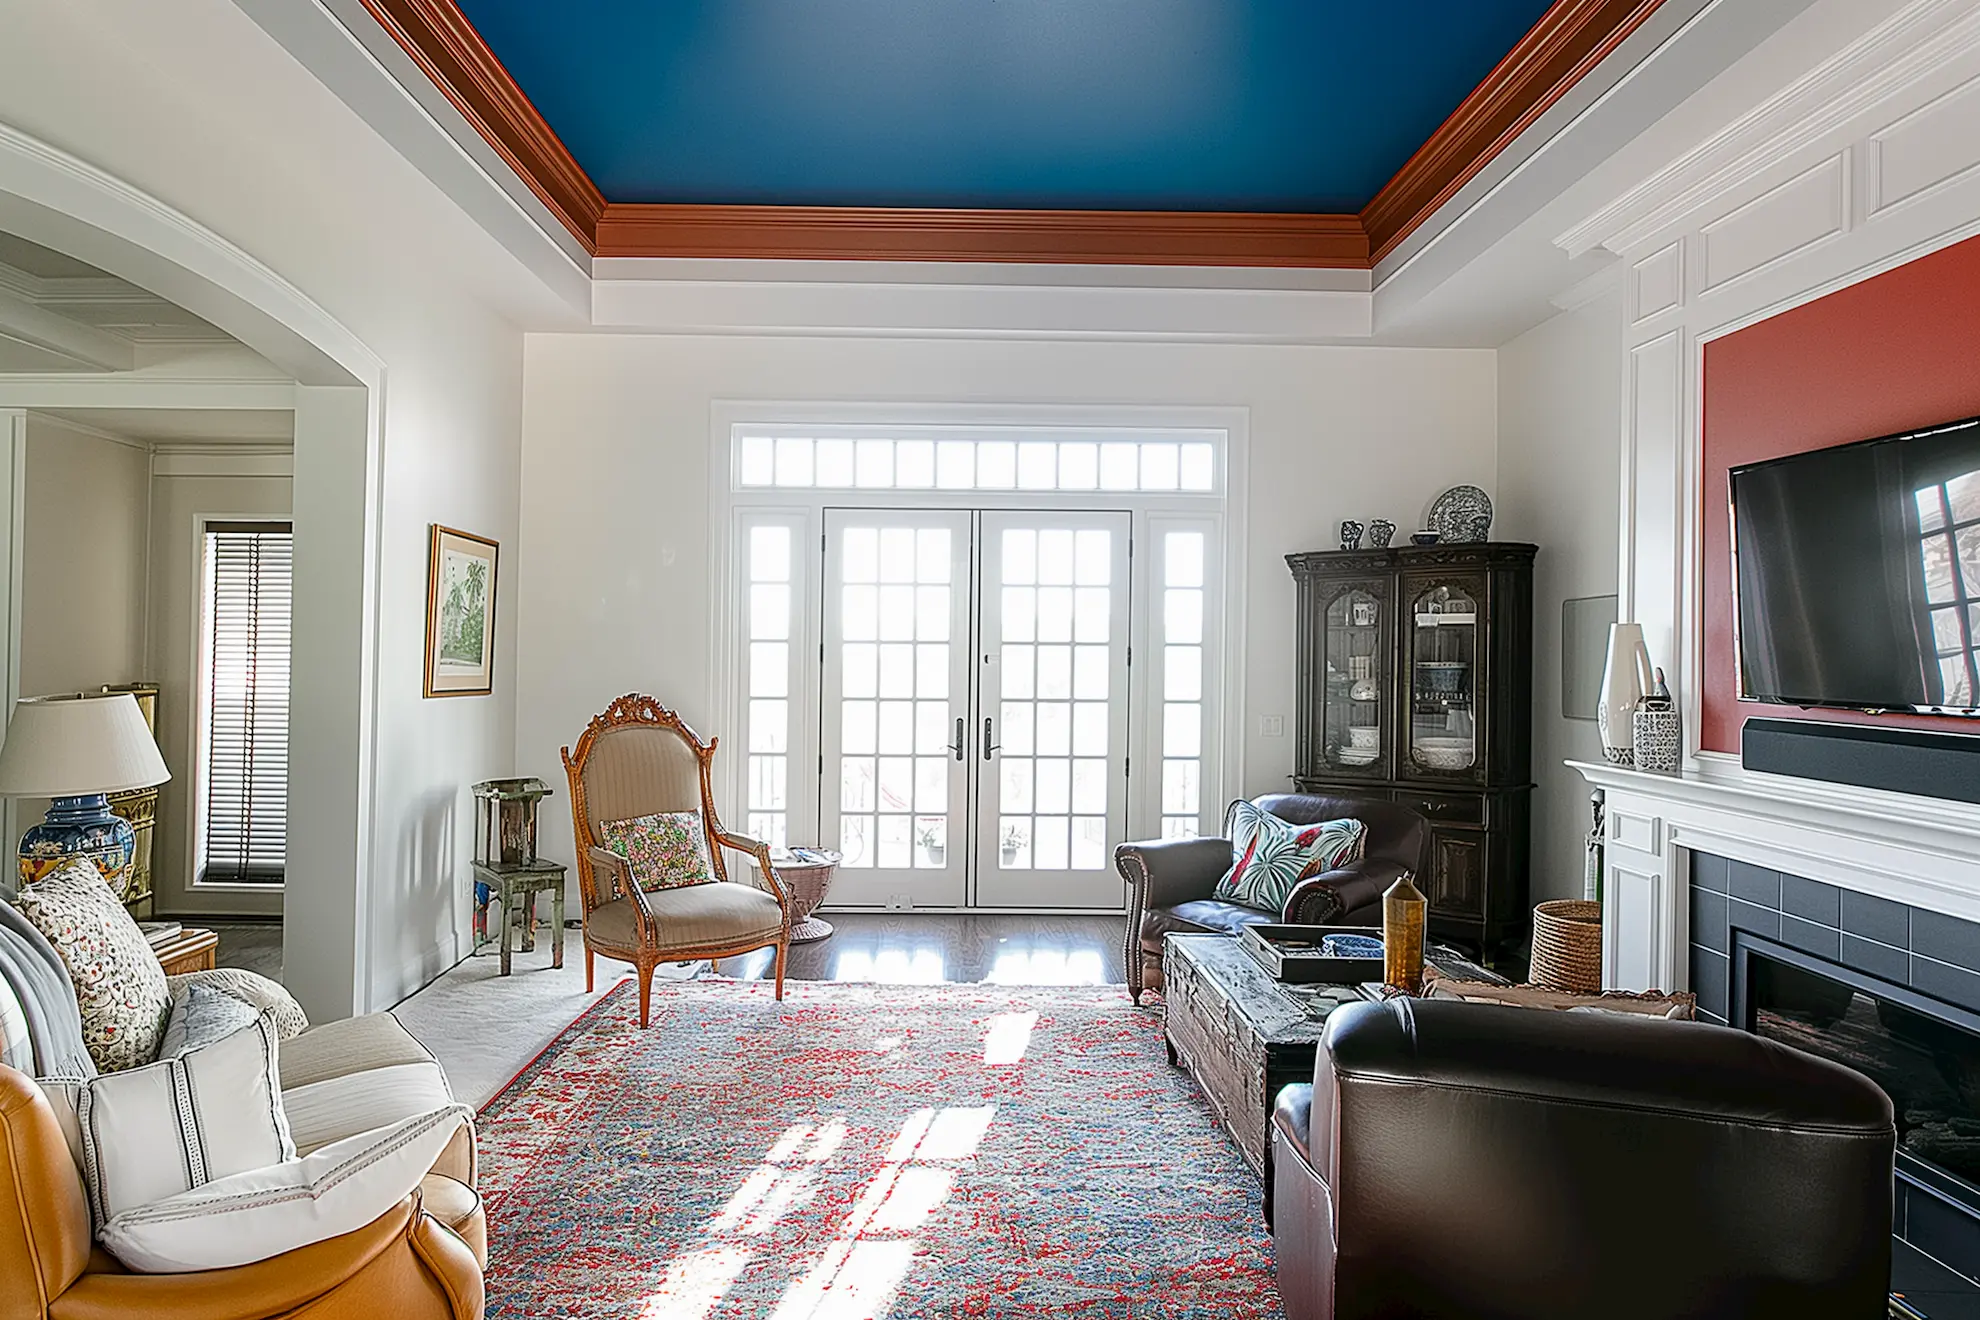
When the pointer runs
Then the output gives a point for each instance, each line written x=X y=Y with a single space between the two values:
x=152 y=1132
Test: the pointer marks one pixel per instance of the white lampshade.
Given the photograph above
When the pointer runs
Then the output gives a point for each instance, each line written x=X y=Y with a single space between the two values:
x=73 y=746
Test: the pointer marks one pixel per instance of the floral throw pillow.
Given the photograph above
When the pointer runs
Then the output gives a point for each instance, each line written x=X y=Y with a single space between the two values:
x=1269 y=855
x=120 y=987
x=667 y=850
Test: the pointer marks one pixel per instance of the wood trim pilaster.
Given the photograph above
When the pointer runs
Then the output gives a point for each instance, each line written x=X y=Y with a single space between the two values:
x=858 y=233
x=444 y=43
x=1570 y=39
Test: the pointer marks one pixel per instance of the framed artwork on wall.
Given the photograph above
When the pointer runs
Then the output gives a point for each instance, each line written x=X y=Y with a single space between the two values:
x=460 y=614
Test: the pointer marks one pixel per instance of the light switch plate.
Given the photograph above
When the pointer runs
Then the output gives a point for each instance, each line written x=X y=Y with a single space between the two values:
x=1271 y=726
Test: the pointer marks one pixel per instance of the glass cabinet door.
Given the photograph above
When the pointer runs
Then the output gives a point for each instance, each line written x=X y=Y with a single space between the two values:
x=1442 y=625
x=1354 y=649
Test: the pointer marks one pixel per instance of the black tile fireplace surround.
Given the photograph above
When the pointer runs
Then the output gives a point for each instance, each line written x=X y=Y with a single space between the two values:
x=1889 y=989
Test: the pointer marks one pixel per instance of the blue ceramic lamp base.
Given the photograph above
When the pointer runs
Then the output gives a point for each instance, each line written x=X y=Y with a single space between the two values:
x=81 y=827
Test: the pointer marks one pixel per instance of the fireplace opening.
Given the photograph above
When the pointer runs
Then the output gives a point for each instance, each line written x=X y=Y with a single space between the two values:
x=1924 y=1053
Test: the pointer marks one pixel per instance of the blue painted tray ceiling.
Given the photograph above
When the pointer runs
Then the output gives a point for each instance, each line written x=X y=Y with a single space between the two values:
x=1209 y=105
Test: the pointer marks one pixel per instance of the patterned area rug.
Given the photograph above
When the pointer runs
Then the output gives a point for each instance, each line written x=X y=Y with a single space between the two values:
x=860 y=1152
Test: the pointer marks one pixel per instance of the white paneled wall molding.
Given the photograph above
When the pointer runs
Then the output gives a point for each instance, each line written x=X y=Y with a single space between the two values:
x=1868 y=160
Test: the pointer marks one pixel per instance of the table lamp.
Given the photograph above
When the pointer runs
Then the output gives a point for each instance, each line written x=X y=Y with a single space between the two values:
x=75 y=749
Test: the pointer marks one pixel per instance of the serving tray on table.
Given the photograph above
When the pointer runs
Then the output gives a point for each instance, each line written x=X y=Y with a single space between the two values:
x=1296 y=955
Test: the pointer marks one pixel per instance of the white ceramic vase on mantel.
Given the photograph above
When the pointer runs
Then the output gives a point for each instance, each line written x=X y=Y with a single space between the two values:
x=1625 y=678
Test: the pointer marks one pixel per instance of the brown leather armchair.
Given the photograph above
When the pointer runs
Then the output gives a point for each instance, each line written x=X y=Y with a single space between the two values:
x=1455 y=1159
x=1171 y=882
x=403 y=1264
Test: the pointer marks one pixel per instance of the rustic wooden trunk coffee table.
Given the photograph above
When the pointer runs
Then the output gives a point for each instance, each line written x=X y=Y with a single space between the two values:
x=1244 y=1036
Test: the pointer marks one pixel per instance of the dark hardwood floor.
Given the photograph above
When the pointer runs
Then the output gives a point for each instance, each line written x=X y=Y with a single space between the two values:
x=899 y=948
x=919 y=948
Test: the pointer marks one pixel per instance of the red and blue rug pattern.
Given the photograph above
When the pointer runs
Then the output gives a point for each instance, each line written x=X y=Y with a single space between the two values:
x=860 y=1152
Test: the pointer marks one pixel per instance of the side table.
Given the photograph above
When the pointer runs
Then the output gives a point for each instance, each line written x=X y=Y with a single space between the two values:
x=515 y=887
x=807 y=875
x=188 y=951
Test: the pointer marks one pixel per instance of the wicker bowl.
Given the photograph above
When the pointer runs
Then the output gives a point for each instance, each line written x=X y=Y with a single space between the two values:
x=1567 y=946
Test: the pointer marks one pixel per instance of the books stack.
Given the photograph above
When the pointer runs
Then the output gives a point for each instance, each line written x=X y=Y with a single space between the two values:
x=158 y=933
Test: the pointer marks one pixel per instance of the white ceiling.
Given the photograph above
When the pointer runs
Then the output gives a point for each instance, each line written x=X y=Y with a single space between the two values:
x=58 y=314
x=186 y=426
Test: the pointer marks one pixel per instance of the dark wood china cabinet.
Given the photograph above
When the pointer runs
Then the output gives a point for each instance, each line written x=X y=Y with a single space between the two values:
x=1415 y=685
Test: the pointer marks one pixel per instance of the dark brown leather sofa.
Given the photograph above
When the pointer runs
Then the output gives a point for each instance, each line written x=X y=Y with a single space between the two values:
x=1170 y=881
x=1456 y=1159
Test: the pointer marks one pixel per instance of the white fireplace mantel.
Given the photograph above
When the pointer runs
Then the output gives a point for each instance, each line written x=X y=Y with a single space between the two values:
x=1921 y=851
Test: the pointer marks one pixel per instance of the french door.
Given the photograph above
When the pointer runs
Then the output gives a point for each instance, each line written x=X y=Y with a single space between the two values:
x=974 y=713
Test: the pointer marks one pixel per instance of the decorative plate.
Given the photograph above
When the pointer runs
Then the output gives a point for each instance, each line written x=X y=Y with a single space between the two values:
x=1457 y=514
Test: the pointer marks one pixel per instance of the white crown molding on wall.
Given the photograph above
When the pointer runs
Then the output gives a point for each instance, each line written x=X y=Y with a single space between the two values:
x=1924 y=38
x=93 y=432
x=84 y=390
x=980 y=308
x=241 y=460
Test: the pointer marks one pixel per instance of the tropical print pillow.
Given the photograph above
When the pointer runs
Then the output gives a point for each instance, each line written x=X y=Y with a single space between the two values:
x=667 y=850
x=1270 y=855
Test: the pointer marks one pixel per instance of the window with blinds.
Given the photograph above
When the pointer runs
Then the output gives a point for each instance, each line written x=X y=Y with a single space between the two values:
x=244 y=781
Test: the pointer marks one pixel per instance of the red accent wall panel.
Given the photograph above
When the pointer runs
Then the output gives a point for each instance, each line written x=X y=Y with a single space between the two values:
x=1897 y=351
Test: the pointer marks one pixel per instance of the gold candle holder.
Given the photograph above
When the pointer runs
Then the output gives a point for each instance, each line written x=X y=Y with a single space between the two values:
x=1404 y=909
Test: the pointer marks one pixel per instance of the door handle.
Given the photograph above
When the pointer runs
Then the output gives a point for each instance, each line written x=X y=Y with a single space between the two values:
x=988 y=746
x=958 y=746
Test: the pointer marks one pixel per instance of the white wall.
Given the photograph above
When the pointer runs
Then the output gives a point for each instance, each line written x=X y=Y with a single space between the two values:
x=84 y=553
x=196 y=106
x=186 y=491
x=1560 y=424
x=614 y=583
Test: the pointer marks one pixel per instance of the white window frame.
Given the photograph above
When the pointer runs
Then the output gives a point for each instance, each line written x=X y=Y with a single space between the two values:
x=1220 y=513
x=196 y=757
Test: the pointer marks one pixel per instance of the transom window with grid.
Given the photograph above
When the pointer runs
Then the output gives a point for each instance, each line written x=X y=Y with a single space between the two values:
x=246 y=596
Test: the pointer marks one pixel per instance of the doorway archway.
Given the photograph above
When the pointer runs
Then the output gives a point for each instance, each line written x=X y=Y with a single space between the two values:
x=68 y=205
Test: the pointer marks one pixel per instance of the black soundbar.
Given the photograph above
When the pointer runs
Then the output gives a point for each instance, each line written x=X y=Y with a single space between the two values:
x=1917 y=761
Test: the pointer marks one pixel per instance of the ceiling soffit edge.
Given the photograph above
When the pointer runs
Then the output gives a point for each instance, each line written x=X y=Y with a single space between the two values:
x=1569 y=40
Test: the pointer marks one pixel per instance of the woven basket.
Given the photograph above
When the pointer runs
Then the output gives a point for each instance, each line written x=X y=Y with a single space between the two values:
x=1567 y=946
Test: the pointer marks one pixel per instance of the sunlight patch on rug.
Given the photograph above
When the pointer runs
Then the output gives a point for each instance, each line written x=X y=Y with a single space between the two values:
x=863 y=1152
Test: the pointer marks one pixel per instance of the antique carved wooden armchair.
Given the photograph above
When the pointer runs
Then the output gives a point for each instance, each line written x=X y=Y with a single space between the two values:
x=637 y=759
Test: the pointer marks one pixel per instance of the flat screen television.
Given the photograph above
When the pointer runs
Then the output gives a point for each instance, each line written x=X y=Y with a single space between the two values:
x=1857 y=574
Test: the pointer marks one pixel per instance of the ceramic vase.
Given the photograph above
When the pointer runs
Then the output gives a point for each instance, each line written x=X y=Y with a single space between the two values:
x=1657 y=731
x=1625 y=679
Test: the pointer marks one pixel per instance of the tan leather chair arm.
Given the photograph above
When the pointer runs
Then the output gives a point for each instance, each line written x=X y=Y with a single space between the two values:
x=44 y=1220
x=451 y=1263
x=621 y=879
x=761 y=852
x=402 y=1264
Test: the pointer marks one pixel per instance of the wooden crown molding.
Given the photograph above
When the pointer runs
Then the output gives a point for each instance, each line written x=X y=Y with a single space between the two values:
x=1571 y=38
x=860 y=233
x=442 y=42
